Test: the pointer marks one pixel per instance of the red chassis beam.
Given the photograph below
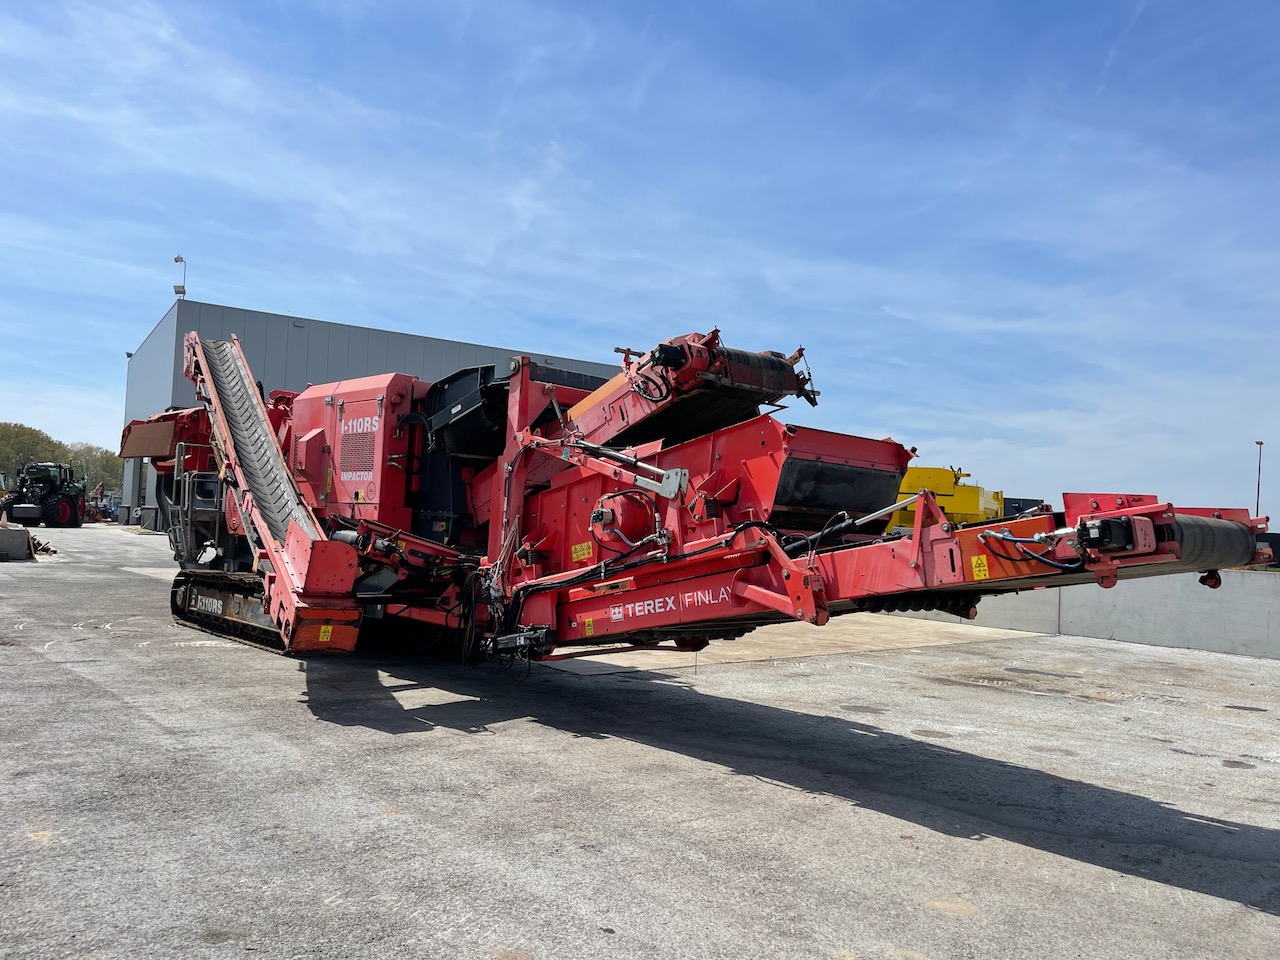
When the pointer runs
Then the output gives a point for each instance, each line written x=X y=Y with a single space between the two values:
x=730 y=585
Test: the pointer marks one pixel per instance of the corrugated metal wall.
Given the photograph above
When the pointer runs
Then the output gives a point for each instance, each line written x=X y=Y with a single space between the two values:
x=287 y=353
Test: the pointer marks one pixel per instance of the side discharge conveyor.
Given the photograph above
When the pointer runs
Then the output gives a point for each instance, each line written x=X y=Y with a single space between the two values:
x=527 y=512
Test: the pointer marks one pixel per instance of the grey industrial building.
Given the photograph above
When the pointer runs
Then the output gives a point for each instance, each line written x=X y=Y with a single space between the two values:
x=286 y=353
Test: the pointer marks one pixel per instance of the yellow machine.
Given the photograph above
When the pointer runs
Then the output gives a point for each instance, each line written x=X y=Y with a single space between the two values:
x=962 y=502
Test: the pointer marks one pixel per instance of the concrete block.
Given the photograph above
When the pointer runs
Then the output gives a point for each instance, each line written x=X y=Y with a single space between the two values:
x=15 y=544
x=1035 y=611
x=1032 y=610
x=1242 y=616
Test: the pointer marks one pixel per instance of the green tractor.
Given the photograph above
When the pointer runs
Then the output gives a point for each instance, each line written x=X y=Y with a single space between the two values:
x=45 y=492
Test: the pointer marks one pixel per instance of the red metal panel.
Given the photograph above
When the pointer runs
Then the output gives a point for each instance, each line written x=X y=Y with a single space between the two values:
x=364 y=443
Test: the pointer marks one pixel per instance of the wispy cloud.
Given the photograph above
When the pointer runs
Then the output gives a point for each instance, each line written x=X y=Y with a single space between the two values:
x=1035 y=284
x=1104 y=75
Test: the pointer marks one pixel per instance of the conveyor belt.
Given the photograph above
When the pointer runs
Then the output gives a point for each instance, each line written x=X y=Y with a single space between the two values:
x=259 y=463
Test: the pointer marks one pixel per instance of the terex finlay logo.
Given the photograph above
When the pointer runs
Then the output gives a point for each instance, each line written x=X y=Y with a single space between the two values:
x=709 y=597
x=361 y=425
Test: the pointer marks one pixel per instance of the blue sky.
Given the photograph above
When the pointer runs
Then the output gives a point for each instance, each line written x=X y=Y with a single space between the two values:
x=1037 y=241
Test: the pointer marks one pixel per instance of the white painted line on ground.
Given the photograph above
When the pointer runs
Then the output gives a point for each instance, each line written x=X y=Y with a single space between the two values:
x=884 y=666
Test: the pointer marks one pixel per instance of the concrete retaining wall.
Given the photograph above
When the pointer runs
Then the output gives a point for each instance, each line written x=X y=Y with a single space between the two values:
x=1241 y=617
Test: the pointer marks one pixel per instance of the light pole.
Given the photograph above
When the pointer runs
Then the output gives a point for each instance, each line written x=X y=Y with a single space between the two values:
x=181 y=288
x=1257 y=503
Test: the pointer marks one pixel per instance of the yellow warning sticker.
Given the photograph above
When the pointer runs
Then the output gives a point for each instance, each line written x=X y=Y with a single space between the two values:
x=326 y=633
x=581 y=551
x=980 y=569
x=589 y=627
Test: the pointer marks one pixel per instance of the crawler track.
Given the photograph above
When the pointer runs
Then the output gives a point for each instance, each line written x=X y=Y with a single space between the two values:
x=239 y=591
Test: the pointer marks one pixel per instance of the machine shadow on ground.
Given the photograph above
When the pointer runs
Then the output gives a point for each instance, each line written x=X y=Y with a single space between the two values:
x=938 y=788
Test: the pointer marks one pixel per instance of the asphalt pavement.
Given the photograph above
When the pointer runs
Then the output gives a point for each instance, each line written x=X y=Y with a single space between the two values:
x=166 y=793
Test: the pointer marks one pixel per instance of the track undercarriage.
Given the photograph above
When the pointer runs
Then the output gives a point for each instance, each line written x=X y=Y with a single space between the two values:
x=225 y=604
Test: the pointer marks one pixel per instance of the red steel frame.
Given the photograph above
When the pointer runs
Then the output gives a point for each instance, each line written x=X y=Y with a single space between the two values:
x=711 y=566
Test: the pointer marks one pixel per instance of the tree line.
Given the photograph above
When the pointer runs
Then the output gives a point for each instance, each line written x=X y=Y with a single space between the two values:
x=21 y=444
